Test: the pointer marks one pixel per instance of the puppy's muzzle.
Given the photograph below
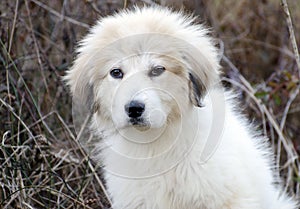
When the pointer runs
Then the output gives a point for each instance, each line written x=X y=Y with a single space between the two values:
x=134 y=110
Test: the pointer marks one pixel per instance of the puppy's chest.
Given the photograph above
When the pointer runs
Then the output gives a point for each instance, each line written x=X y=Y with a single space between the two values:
x=181 y=187
x=186 y=187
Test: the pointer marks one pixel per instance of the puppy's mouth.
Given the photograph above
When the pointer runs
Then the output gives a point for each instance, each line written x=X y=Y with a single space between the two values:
x=139 y=123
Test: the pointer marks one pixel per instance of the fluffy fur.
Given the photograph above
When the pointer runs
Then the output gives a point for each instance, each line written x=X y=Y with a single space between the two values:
x=192 y=149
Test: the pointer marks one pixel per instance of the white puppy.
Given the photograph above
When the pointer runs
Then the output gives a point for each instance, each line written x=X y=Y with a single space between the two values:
x=168 y=136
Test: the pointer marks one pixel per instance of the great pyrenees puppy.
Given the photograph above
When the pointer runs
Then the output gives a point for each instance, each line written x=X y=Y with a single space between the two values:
x=165 y=132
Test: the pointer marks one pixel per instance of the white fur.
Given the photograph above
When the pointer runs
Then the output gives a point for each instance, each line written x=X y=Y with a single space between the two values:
x=186 y=156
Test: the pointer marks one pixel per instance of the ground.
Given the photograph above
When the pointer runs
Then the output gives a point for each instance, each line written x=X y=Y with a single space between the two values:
x=42 y=163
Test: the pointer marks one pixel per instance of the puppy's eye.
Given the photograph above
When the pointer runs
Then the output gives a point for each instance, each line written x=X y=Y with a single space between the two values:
x=156 y=71
x=116 y=73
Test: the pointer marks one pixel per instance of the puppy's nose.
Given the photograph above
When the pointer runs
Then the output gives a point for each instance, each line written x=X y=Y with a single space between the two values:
x=134 y=109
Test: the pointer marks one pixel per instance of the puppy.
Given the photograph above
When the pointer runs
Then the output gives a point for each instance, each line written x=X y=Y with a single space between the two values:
x=167 y=135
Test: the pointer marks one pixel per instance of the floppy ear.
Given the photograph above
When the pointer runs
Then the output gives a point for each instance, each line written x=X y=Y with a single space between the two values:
x=196 y=90
x=202 y=66
x=78 y=80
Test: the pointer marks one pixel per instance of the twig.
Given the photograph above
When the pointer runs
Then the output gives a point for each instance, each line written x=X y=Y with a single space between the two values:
x=292 y=33
x=290 y=150
x=36 y=47
x=297 y=58
x=152 y=3
x=27 y=205
x=13 y=26
x=94 y=6
x=11 y=109
x=89 y=162
x=269 y=46
x=287 y=107
x=69 y=19
x=125 y=4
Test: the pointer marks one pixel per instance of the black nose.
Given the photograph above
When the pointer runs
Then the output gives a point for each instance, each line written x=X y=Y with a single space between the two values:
x=134 y=109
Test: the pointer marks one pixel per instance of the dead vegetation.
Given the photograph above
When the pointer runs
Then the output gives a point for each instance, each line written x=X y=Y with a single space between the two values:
x=42 y=163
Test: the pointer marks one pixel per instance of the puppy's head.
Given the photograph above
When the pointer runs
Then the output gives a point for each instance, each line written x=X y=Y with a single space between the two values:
x=143 y=68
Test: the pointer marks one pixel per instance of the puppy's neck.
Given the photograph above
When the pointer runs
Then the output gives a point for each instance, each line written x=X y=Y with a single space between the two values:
x=157 y=151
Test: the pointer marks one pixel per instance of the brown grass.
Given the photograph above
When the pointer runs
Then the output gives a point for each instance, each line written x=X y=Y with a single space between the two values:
x=42 y=163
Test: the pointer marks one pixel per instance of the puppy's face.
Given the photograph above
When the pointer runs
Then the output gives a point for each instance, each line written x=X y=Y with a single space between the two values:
x=145 y=90
x=142 y=81
x=143 y=70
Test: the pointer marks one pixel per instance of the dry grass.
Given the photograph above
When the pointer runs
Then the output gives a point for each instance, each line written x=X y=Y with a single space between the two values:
x=42 y=163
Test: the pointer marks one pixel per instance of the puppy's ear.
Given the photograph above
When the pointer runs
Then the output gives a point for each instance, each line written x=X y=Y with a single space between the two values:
x=202 y=65
x=82 y=89
x=197 y=90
